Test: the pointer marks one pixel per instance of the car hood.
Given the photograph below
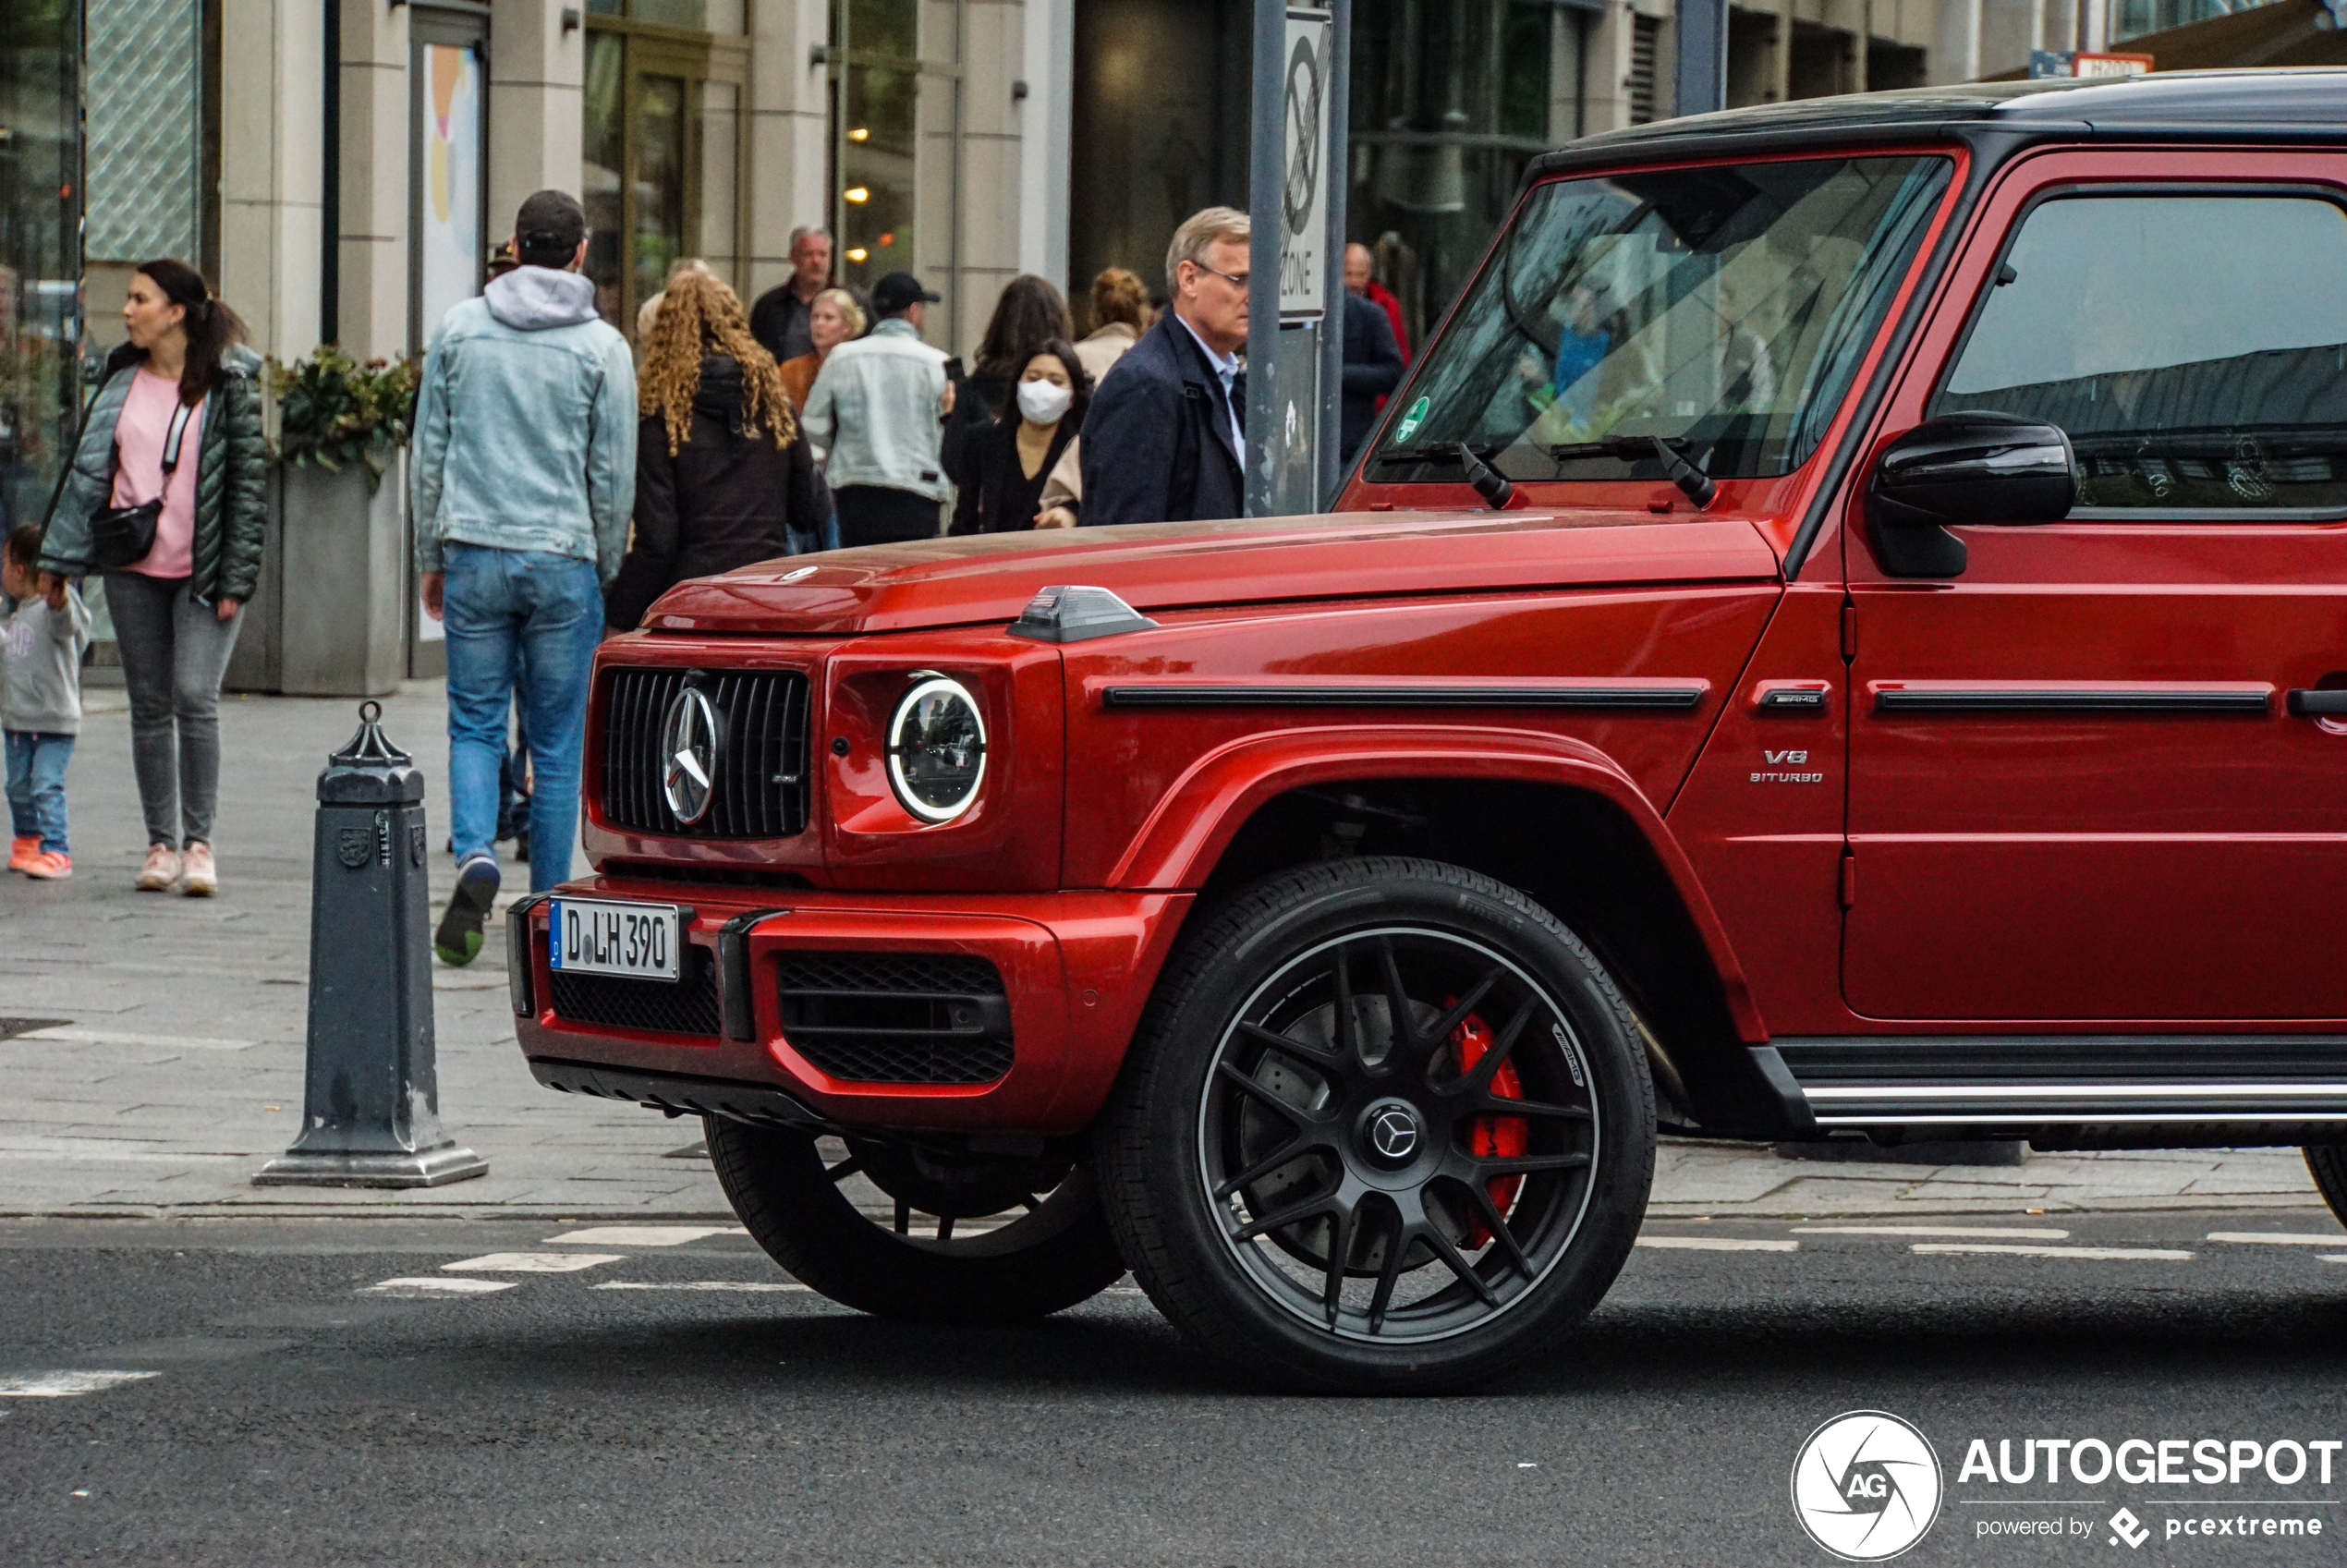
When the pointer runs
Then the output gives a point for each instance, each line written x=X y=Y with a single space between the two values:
x=944 y=582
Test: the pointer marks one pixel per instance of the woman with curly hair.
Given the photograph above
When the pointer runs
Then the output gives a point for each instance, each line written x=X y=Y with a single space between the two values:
x=724 y=478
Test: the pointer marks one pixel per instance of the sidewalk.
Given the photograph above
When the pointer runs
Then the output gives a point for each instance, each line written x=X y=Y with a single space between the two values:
x=171 y=1068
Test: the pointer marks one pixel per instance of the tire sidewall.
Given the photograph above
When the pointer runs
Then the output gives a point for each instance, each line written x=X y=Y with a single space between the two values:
x=1235 y=957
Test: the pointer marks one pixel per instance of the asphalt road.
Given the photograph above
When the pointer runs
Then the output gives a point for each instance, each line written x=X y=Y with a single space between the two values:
x=293 y=1411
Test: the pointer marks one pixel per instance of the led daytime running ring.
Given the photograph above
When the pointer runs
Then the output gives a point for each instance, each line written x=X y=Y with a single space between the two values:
x=930 y=684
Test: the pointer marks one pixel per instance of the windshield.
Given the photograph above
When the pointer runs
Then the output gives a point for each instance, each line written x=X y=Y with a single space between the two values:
x=1722 y=310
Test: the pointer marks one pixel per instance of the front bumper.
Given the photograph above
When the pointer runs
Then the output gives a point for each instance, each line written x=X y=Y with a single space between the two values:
x=1076 y=967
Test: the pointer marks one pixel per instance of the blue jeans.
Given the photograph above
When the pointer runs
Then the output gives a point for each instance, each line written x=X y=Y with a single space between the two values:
x=37 y=786
x=530 y=619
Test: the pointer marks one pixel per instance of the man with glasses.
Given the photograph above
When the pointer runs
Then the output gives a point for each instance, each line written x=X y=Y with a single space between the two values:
x=1166 y=437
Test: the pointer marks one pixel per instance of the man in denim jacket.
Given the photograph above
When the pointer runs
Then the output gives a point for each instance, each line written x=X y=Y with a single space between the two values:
x=523 y=475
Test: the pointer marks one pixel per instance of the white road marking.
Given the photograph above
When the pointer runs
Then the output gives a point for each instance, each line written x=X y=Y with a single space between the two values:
x=2278 y=1238
x=532 y=1262
x=117 y=1037
x=429 y=1286
x=2013 y=1233
x=2147 y=1254
x=2330 y=1257
x=1721 y=1244
x=701 y=1285
x=636 y=1235
x=67 y=1385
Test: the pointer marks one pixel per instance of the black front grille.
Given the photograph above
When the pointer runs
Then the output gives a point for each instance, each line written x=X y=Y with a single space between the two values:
x=760 y=785
x=686 y=1007
x=898 y=1018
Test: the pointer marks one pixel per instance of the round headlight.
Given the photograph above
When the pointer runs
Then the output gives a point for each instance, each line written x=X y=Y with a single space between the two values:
x=937 y=750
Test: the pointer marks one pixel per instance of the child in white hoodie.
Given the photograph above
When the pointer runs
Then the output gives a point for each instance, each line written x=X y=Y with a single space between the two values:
x=40 y=708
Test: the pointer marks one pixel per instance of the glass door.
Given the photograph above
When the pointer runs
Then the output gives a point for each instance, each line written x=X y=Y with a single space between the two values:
x=39 y=248
x=645 y=163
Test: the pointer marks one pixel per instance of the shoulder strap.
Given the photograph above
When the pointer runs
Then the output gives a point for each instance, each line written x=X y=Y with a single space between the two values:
x=171 y=440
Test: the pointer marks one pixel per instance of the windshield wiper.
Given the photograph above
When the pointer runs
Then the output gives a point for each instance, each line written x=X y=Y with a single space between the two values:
x=1448 y=453
x=1667 y=450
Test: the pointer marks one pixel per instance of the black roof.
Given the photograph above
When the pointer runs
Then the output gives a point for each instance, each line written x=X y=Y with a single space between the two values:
x=2294 y=105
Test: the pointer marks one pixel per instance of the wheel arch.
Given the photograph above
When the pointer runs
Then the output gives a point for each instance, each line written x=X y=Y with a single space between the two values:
x=1601 y=859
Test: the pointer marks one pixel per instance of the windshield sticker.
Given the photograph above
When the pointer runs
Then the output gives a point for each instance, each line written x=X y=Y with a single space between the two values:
x=1411 y=421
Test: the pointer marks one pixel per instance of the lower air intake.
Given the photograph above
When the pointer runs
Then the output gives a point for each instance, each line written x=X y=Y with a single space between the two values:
x=898 y=1018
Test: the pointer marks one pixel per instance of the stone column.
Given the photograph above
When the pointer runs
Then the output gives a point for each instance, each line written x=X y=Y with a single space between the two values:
x=272 y=199
x=536 y=110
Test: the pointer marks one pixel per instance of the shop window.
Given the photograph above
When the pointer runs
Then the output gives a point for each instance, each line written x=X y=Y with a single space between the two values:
x=895 y=86
x=40 y=258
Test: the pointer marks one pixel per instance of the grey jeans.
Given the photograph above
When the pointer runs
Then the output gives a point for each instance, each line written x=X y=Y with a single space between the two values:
x=174 y=652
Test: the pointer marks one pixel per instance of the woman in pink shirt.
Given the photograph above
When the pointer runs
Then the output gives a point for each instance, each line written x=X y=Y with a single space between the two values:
x=176 y=607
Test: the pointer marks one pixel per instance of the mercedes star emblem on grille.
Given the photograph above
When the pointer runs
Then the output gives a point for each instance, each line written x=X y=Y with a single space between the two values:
x=689 y=752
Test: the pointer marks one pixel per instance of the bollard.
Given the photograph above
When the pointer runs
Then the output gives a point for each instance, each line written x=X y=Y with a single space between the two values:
x=370 y=1116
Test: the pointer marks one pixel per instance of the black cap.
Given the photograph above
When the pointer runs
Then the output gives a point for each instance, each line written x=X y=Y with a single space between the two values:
x=549 y=227
x=898 y=291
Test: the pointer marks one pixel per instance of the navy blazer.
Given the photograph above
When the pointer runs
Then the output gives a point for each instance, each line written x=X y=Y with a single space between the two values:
x=1156 y=439
x=1372 y=368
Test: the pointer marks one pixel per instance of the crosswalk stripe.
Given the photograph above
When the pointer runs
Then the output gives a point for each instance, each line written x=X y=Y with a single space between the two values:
x=2011 y=1233
x=2278 y=1238
x=702 y=1284
x=1721 y=1244
x=2148 y=1254
x=431 y=1284
x=636 y=1235
x=533 y=1262
x=67 y=1385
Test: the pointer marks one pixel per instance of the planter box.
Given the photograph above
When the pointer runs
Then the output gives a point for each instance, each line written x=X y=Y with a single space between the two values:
x=341 y=608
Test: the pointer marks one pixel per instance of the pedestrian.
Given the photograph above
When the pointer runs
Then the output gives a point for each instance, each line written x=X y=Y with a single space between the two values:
x=1372 y=369
x=167 y=497
x=724 y=478
x=1165 y=438
x=522 y=475
x=40 y=708
x=780 y=320
x=833 y=319
x=1120 y=314
x=650 y=308
x=1360 y=278
x=875 y=410
x=1011 y=457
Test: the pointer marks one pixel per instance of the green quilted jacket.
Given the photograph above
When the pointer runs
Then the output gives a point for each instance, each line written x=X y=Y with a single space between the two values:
x=232 y=509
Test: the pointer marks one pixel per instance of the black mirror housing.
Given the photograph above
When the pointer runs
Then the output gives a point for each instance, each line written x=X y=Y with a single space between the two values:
x=1964 y=469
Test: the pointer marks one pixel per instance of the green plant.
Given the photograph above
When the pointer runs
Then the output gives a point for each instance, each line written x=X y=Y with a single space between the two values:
x=335 y=412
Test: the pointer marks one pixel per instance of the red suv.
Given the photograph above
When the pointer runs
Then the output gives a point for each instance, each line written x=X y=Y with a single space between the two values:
x=1843 y=631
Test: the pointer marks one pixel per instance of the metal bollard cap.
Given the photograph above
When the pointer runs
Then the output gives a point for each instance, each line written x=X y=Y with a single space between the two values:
x=369 y=770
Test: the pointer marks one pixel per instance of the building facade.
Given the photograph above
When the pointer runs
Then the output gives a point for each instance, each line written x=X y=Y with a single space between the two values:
x=341 y=168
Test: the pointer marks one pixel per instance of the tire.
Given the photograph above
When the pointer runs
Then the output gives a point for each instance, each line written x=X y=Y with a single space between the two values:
x=1252 y=1139
x=2327 y=1162
x=1050 y=1255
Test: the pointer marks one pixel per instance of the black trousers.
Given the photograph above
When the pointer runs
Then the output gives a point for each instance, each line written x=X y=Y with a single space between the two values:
x=873 y=514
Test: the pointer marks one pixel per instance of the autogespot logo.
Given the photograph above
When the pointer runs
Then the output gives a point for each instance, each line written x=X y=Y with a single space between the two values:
x=1866 y=1486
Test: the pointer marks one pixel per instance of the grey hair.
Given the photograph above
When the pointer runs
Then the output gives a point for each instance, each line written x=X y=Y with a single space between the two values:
x=806 y=231
x=1200 y=230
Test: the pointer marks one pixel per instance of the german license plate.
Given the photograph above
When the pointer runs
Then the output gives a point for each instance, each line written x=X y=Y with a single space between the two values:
x=641 y=941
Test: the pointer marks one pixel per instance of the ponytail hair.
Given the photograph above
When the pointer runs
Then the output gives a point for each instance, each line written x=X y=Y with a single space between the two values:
x=211 y=326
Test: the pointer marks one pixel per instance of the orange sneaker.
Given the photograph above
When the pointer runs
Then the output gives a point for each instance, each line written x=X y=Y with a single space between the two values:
x=22 y=850
x=49 y=866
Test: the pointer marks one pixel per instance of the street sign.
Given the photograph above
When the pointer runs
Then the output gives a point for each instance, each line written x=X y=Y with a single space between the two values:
x=1294 y=296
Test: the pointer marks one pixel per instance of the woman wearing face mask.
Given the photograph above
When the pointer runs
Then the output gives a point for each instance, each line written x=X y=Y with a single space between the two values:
x=167 y=496
x=1011 y=457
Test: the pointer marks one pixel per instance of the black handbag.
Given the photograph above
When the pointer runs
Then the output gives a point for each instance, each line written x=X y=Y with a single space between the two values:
x=122 y=536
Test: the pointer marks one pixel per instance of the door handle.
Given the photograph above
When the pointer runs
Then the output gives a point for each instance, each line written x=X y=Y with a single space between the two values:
x=2307 y=703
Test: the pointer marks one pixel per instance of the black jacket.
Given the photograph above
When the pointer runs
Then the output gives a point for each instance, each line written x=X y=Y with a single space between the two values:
x=1372 y=368
x=998 y=497
x=727 y=499
x=779 y=323
x=1157 y=441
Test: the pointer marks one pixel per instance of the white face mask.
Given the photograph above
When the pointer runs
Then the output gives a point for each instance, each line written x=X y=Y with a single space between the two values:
x=1043 y=402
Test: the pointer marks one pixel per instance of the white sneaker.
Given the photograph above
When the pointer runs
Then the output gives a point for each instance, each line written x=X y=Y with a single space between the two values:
x=161 y=870
x=197 y=877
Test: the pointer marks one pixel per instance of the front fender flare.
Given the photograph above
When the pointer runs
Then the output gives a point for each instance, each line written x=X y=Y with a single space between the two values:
x=1195 y=821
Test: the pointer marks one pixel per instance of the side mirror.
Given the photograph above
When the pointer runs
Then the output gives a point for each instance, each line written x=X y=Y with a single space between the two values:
x=1964 y=469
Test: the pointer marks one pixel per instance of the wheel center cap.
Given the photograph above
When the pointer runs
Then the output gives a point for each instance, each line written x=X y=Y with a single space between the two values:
x=1392 y=1133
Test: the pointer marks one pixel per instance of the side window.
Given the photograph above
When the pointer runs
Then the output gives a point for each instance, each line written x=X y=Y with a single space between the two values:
x=2194 y=346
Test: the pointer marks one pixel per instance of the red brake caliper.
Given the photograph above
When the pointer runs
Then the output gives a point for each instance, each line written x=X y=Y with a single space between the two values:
x=1497 y=1137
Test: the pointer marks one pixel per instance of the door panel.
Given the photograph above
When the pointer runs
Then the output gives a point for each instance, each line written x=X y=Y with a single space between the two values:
x=2076 y=790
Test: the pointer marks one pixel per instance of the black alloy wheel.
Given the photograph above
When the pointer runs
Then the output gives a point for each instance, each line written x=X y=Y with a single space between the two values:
x=961 y=1239
x=2327 y=1162
x=1387 y=1129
